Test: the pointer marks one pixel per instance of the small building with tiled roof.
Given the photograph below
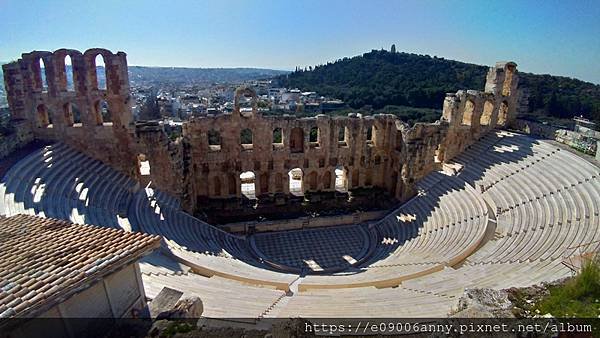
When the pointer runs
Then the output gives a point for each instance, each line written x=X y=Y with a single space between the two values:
x=53 y=268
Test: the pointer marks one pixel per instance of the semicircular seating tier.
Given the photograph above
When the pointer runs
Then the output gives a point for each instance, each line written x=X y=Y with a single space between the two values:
x=510 y=211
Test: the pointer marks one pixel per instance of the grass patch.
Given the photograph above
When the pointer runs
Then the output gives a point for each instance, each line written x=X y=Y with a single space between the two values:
x=177 y=327
x=578 y=297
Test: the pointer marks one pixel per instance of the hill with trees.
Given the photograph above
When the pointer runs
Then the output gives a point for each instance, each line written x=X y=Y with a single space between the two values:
x=383 y=81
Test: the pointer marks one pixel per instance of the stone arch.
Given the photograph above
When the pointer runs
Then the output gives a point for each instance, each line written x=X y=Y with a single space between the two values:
x=72 y=115
x=43 y=75
x=214 y=140
x=503 y=113
x=297 y=140
x=343 y=136
x=67 y=61
x=44 y=120
x=217 y=186
x=314 y=136
x=313 y=181
x=376 y=135
x=143 y=165
x=232 y=184
x=369 y=137
x=101 y=82
x=368 y=177
x=264 y=183
x=102 y=112
x=248 y=184
x=37 y=69
x=243 y=96
x=438 y=155
x=467 y=118
x=486 y=116
x=91 y=58
x=69 y=80
x=341 y=179
x=246 y=139
x=355 y=178
x=278 y=182
x=295 y=182
x=278 y=136
x=326 y=180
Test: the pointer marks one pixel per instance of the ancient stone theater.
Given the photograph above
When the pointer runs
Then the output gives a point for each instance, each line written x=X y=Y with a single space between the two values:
x=467 y=202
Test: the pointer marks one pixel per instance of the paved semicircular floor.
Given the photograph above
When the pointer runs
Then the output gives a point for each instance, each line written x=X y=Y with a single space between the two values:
x=314 y=250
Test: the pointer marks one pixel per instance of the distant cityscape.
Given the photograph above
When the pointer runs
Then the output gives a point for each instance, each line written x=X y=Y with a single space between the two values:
x=178 y=94
x=182 y=101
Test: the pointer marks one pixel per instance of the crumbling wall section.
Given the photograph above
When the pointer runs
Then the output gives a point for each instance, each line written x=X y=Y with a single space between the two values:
x=470 y=114
x=165 y=161
x=92 y=118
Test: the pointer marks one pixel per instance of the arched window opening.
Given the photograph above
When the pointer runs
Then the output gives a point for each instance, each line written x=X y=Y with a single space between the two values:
x=295 y=176
x=246 y=139
x=326 y=180
x=143 y=165
x=437 y=155
x=214 y=140
x=355 y=178
x=217 y=186
x=314 y=137
x=313 y=181
x=72 y=115
x=486 y=116
x=246 y=104
x=43 y=117
x=68 y=114
x=503 y=113
x=341 y=180
x=372 y=135
x=468 y=113
x=277 y=138
x=102 y=113
x=279 y=182
x=232 y=185
x=70 y=78
x=248 y=187
x=297 y=140
x=343 y=136
x=43 y=76
x=264 y=183
x=101 y=77
x=368 y=178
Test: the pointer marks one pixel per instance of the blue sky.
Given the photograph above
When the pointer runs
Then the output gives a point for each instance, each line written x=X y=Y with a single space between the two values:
x=556 y=37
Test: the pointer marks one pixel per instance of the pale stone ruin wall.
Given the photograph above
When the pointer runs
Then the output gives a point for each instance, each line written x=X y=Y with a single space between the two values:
x=375 y=151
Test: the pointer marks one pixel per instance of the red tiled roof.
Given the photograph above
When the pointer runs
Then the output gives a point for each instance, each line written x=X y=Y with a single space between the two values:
x=43 y=261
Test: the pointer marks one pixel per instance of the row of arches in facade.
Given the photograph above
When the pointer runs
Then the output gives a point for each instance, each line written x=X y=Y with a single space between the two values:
x=72 y=114
x=67 y=64
x=296 y=141
x=297 y=182
x=486 y=115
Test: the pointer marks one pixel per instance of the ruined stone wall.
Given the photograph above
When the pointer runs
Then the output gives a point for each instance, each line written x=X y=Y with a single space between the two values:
x=72 y=114
x=207 y=161
x=471 y=113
